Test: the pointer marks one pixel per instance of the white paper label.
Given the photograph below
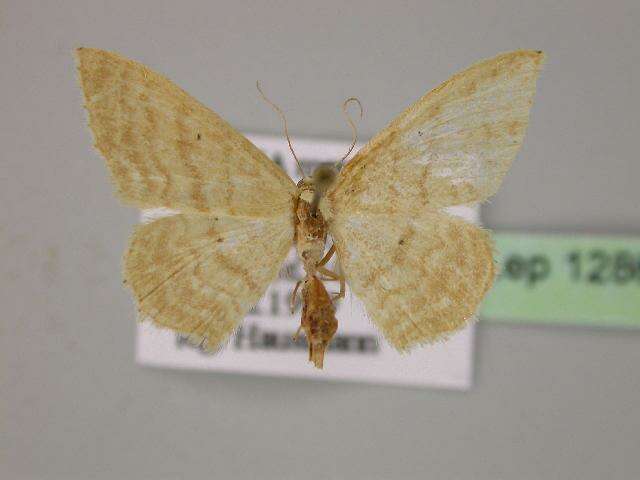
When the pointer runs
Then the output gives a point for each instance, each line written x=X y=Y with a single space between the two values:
x=263 y=345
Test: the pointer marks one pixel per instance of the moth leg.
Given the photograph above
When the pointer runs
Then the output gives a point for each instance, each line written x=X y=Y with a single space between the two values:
x=328 y=273
x=292 y=303
x=295 y=335
x=336 y=277
x=343 y=282
x=343 y=288
x=327 y=256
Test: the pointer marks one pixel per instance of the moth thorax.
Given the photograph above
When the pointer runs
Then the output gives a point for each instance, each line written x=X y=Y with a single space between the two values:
x=311 y=234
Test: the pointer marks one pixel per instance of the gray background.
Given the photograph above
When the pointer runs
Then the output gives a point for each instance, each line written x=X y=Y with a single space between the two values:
x=548 y=402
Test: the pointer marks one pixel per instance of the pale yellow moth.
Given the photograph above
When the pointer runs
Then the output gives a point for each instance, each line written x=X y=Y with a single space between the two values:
x=420 y=272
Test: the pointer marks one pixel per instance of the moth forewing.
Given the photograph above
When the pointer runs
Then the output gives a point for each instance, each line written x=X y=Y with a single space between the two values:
x=452 y=147
x=165 y=149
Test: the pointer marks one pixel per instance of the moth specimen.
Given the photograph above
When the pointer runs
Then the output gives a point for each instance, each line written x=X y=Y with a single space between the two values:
x=420 y=272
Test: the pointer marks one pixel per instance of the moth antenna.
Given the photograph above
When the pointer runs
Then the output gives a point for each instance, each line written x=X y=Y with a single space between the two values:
x=354 y=130
x=284 y=123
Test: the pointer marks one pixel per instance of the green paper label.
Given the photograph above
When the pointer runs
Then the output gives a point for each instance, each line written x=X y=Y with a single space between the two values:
x=566 y=279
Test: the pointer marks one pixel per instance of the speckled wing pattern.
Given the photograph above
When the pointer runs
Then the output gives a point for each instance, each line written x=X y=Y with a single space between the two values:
x=200 y=274
x=420 y=277
x=199 y=271
x=165 y=149
x=421 y=273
